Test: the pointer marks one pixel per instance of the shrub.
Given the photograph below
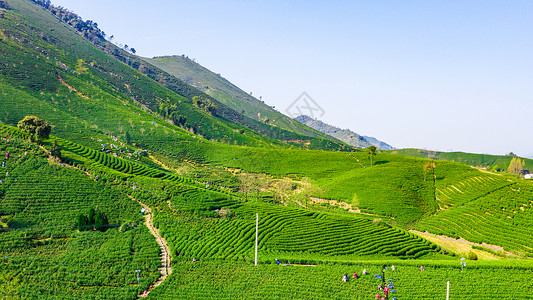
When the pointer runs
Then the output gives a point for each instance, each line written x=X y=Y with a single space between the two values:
x=471 y=256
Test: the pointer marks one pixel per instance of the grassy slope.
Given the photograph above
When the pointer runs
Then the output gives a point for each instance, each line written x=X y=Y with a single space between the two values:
x=227 y=93
x=472 y=159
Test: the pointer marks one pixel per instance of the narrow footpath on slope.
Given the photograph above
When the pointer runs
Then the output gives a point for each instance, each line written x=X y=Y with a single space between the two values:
x=166 y=268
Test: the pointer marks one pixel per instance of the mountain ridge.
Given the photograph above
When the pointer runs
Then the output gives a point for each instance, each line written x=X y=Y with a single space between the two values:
x=345 y=135
x=227 y=93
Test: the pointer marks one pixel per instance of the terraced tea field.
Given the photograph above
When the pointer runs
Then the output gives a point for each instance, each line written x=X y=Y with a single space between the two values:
x=236 y=280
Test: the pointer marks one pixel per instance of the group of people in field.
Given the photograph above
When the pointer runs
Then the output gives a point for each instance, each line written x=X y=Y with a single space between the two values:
x=384 y=288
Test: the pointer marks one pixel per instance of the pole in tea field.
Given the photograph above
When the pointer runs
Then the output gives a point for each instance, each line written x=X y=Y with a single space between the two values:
x=448 y=291
x=256 y=235
x=138 y=271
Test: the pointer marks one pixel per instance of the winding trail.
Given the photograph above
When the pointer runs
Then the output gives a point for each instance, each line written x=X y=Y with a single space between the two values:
x=166 y=259
x=166 y=268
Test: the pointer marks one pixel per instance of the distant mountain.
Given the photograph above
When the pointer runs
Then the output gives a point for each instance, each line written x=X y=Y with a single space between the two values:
x=345 y=135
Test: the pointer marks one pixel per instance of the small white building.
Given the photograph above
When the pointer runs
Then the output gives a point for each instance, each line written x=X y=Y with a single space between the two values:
x=528 y=176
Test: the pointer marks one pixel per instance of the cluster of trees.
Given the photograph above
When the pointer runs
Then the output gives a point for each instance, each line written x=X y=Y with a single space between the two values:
x=95 y=220
x=37 y=128
x=516 y=166
x=88 y=28
x=204 y=104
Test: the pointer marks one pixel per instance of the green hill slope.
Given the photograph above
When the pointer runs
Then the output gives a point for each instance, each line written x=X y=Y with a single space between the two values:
x=494 y=162
x=57 y=64
x=43 y=255
x=224 y=91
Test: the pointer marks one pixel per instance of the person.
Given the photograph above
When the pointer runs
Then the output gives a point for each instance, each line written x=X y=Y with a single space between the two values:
x=142 y=211
x=393 y=267
x=379 y=287
x=421 y=268
x=364 y=272
x=377 y=296
x=193 y=259
x=345 y=277
x=354 y=275
x=386 y=289
x=7 y=155
x=3 y=164
x=278 y=262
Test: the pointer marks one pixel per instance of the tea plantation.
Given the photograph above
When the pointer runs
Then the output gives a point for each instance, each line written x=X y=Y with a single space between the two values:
x=43 y=254
x=123 y=141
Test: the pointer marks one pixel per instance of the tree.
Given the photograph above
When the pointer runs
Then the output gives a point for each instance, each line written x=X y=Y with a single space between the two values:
x=138 y=153
x=371 y=152
x=204 y=104
x=56 y=150
x=429 y=166
x=92 y=214
x=516 y=166
x=36 y=127
x=133 y=50
x=80 y=67
x=100 y=221
x=82 y=222
x=471 y=256
x=127 y=138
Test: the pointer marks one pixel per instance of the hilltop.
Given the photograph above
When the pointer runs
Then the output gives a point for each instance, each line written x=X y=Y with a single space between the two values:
x=345 y=135
x=226 y=92
x=496 y=163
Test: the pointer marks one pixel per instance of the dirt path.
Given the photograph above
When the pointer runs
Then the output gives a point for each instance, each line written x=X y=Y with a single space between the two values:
x=166 y=268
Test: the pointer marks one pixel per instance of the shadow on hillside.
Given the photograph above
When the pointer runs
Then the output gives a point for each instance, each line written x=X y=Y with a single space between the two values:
x=381 y=162
x=18 y=224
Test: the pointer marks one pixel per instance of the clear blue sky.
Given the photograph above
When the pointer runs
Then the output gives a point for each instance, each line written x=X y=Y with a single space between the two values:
x=439 y=75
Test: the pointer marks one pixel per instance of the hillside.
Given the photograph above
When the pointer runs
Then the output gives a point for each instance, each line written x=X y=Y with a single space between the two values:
x=67 y=62
x=345 y=135
x=226 y=92
x=491 y=162
x=71 y=224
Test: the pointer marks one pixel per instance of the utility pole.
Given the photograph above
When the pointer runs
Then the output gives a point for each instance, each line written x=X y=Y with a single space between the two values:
x=256 y=235
x=448 y=291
